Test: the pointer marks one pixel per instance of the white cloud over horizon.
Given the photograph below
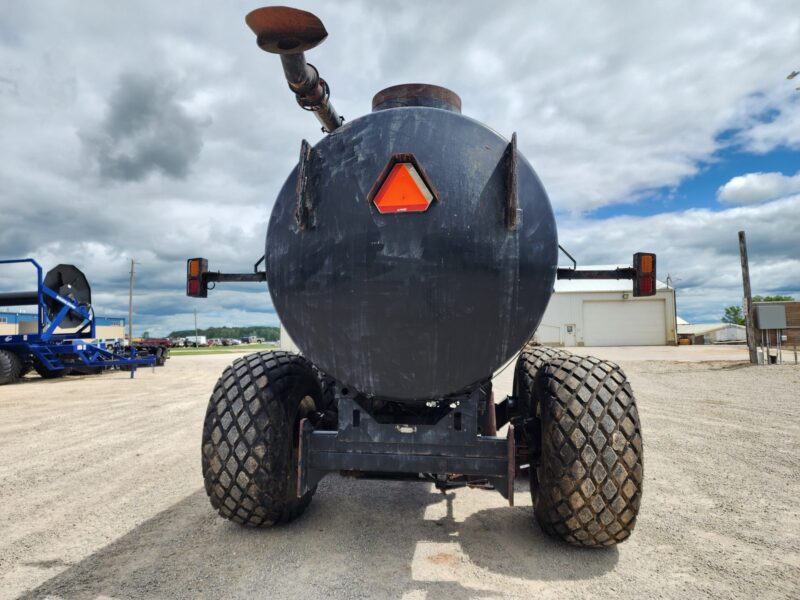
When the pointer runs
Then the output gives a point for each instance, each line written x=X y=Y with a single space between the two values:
x=154 y=131
x=754 y=188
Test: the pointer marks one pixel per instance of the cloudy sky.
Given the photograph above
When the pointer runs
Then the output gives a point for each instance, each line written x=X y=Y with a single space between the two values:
x=158 y=131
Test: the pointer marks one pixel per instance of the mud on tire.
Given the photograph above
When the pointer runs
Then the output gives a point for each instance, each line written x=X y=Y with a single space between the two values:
x=590 y=471
x=250 y=435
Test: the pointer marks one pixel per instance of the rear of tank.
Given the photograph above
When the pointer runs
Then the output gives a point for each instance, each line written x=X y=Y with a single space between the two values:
x=411 y=304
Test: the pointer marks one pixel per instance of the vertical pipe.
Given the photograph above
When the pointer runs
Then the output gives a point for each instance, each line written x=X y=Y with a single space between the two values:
x=769 y=358
x=41 y=310
x=310 y=89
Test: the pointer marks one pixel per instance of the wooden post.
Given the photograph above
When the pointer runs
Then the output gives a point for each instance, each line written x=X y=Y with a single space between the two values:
x=748 y=300
x=130 y=307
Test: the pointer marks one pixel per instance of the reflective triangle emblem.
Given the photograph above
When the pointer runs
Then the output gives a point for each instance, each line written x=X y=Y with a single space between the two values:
x=403 y=190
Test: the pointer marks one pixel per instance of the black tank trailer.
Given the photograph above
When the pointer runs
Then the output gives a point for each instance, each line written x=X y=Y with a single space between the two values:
x=410 y=254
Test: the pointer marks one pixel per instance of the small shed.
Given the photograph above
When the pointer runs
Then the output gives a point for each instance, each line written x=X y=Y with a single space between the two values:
x=17 y=323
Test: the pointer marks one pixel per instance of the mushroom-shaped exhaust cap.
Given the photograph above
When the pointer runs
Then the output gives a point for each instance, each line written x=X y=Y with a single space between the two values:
x=284 y=30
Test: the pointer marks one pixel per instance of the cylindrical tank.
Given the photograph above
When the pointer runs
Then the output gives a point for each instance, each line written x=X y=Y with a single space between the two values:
x=418 y=304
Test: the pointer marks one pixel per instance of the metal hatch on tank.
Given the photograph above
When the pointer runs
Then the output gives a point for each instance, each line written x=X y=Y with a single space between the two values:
x=410 y=253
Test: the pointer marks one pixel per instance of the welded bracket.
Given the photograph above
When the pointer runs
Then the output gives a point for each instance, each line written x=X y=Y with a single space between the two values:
x=304 y=211
x=513 y=214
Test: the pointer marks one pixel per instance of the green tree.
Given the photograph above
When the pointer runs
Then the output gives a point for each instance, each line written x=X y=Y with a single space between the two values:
x=777 y=298
x=146 y=335
x=733 y=315
x=267 y=333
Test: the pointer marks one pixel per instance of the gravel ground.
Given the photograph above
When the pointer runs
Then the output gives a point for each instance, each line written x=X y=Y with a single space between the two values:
x=101 y=496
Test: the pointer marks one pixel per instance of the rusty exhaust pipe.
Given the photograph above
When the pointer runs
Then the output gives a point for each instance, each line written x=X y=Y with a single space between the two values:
x=289 y=32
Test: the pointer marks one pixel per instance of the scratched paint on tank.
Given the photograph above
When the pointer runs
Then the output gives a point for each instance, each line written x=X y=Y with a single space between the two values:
x=412 y=305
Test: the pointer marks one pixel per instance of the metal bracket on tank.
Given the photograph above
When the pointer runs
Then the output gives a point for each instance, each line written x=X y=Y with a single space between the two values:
x=304 y=212
x=512 y=213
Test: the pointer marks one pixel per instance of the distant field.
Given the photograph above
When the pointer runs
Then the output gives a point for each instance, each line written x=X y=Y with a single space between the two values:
x=243 y=348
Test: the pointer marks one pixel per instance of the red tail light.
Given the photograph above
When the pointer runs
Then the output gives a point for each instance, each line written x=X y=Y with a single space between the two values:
x=196 y=268
x=644 y=284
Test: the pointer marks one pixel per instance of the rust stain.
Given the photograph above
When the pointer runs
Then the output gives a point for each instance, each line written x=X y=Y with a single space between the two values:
x=444 y=558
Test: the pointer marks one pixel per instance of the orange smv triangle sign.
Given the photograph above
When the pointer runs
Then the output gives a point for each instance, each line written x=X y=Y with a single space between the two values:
x=403 y=190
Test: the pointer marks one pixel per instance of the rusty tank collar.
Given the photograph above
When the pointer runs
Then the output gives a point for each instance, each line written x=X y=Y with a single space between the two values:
x=416 y=94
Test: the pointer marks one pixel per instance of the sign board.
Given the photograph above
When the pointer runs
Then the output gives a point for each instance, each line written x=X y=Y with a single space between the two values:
x=771 y=315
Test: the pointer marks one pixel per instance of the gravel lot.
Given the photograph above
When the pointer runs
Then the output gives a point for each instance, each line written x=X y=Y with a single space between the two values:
x=102 y=498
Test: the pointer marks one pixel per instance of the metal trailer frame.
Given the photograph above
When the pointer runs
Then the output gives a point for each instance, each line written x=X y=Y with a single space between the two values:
x=452 y=452
x=48 y=347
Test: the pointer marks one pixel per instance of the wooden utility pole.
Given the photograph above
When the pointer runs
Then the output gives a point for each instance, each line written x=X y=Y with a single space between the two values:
x=130 y=306
x=748 y=300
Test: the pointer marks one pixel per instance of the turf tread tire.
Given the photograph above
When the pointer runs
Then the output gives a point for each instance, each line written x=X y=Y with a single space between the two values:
x=532 y=358
x=10 y=367
x=46 y=373
x=591 y=469
x=248 y=460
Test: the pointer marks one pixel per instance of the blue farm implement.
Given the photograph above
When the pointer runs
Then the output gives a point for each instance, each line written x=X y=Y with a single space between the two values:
x=63 y=300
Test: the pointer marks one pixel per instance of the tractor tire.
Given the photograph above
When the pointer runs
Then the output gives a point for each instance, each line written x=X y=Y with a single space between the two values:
x=590 y=469
x=86 y=370
x=46 y=373
x=251 y=435
x=531 y=359
x=161 y=356
x=10 y=367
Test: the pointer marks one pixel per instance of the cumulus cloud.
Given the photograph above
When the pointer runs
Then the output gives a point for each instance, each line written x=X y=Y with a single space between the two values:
x=145 y=130
x=699 y=250
x=754 y=188
x=782 y=129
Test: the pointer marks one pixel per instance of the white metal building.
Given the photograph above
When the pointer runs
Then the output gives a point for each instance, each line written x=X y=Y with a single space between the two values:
x=712 y=333
x=604 y=312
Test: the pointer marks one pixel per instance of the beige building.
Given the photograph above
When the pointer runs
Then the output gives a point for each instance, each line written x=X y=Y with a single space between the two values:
x=21 y=323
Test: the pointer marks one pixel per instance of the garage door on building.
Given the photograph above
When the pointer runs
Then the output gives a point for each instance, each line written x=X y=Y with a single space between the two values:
x=621 y=323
